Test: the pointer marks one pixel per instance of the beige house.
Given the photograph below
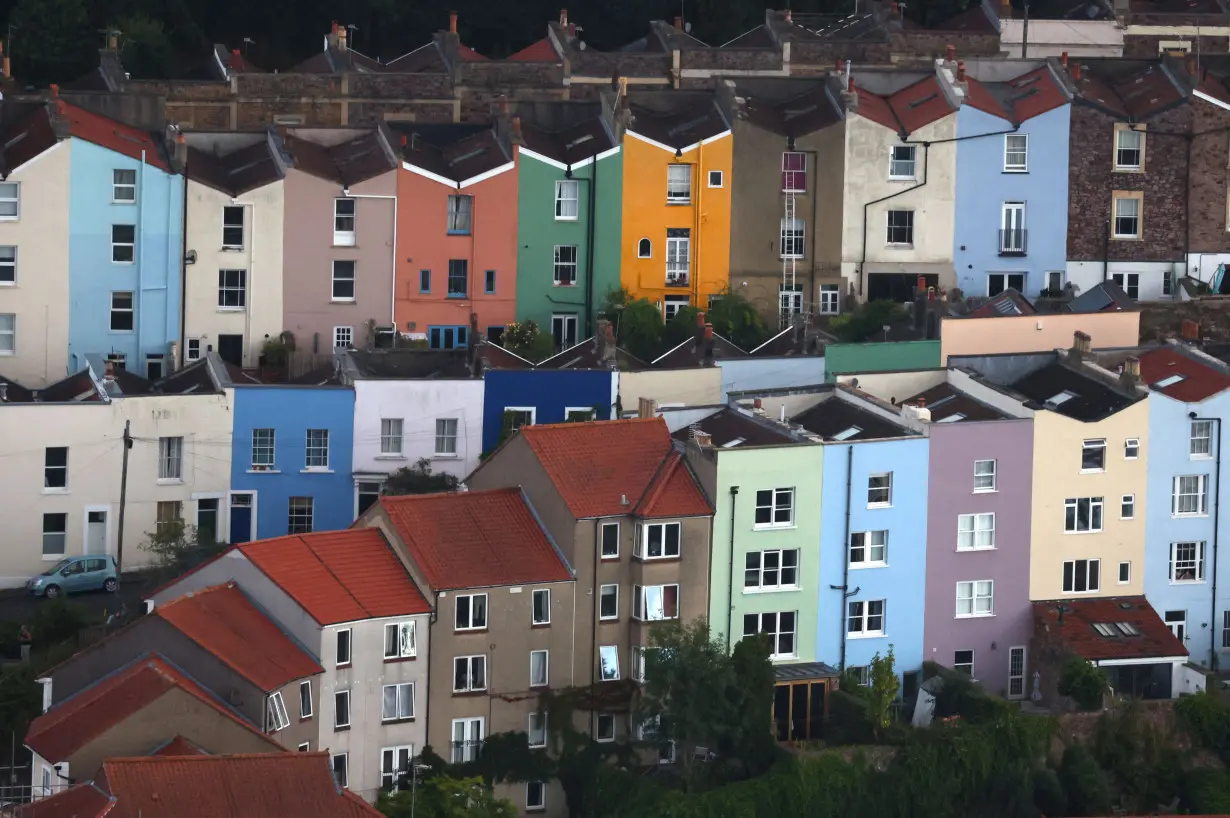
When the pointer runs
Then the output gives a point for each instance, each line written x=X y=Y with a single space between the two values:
x=34 y=300
x=631 y=519
x=1040 y=332
x=233 y=284
x=1090 y=462
x=505 y=620
x=346 y=597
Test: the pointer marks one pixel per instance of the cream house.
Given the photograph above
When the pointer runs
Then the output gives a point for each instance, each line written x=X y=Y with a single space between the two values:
x=64 y=449
x=233 y=285
x=34 y=197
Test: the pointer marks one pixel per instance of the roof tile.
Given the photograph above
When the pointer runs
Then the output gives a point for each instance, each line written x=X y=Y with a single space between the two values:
x=1199 y=380
x=226 y=624
x=115 y=136
x=82 y=801
x=1153 y=638
x=474 y=539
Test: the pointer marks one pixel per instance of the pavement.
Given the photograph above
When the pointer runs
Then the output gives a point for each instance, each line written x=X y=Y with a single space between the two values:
x=18 y=605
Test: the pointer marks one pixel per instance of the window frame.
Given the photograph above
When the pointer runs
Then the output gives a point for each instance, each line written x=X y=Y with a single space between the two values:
x=993 y=475
x=773 y=508
x=470 y=608
x=761 y=570
x=1094 y=563
x=540 y=729
x=342 y=778
x=1127 y=502
x=425 y=280
x=907 y=228
x=534 y=597
x=343 y=337
x=460 y=214
x=392 y=437
x=602 y=550
x=340 y=265
x=777 y=631
x=888 y=489
x=15 y=199
x=118 y=247
x=793 y=238
x=541 y=786
x=298 y=503
x=337 y=643
x=230 y=210
x=340 y=696
x=1207 y=453
x=1131 y=448
x=791 y=175
x=261 y=447
x=546 y=668
x=864 y=618
x=312 y=460
x=275 y=713
x=562 y=186
x=974 y=586
x=171 y=459
x=644 y=247
x=957 y=665
x=1118 y=196
x=343 y=237
x=1023 y=166
x=679 y=191
x=397 y=716
x=229 y=291
x=406 y=648
x=470 y=664
x=1120 y=129
x=562 y=265
x=868 y=547
x=602 y=598
x=1202 y=495
x=642 y=545
x=1120 y=579
x=896 y=164
x=1074 y=503
x=601 y=736
x=1198 y=563
x=975 y=518
x=718 y=175
x=1097 y=446
x=489 y=282
x=305 y=704
x=56 y=518
x=8 y=265
x=640 y=603
x=130 y=311
x=608 y=663
x=117 y=185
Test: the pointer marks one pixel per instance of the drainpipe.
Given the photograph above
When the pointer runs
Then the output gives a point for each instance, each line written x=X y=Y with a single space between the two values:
x=139 y=237
x=1106 y=253
x=393 y=274
x=589 y=248
x=845 y=557
x=183 y=277
x=730 y=609
x=1216 y=529
x=595 y=609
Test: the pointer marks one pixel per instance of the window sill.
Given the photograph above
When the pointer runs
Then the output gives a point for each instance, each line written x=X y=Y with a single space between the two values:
x=1016 y=170
x=469 y=630
x=974 y=616
x=775 y=589
x=873 y=635
x=565 y=283
x=1200 y=457
x=469 y=694
x=1082 y=593
x=230 y=248
x=1187 y=582
x=341 y=245
x=457 y=232
x=867 y=565
x=1081 y=533
x=264 y=471
x=302 y=719
x=783 y=657
x=341 y=729
x=610 y=620
x=55 y=491
x=407 y=720
x=459 y=296
x=396 y=660
x=903 y=178
x=975 y=549
x=985 y=491
x=651 y=621
x=233 y=309
x=1093 y=471
x=342 y=301
x=656 y=559
x=1125 y=238
x=894 y=245
x=123 y=263
x=1187 y=516
x=879 y=505
x=390 y=457
x=609 y=558
x=170 y=481
x=1128 y=170
x=675 y=202
x=344 y=666
x=121 y=331
x=566 y=218
x=774 y=526
x=316 y=470
x=443 y=456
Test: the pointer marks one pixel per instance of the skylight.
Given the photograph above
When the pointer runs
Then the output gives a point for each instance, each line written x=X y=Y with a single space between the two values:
x=1104 y=629
x=730 y=444
x=1128 y=628
x=1169 y=380
x=846 y=434
x=1061 y=398
x=953 y=418
x=579 y=140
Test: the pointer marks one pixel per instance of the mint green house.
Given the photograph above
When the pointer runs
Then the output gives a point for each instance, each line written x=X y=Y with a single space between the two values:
x=569 y=195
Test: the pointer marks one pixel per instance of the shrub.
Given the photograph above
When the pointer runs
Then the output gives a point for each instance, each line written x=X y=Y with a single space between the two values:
x=1207 y=791
x=1206 y=720
x=1086 y=784
x=867 y=320
x=850 y=720
x=1049 y=794
x=526 y=338
x=1083 y=683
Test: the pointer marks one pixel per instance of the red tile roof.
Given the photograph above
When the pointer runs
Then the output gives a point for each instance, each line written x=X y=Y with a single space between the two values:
x=468 y=54
x=1200 y=380
x=909 y=109
x=226 y=624
x=1152 y=637
x=82 y=801
x=475 y=539
x=541 y=51
x=1036 y=93
x=75 y=722
x=339 y=576
x=179 y=746
x=596 y=466
x=275 y=785
x=112 y=135
x=978 y=96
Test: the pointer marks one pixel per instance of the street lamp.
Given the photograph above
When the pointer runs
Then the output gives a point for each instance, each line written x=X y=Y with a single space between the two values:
x=415 y=769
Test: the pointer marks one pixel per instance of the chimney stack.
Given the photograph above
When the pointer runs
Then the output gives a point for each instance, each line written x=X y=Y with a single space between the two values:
x=1082 y=345
x=55 y=91
x=1193 y=70
x=703 y=440
x=563 y=17
x=678 y=24
x=1063 y=59
x=647 y=408
x=341 y=38
x=516 y=125
x=1130 y=376
x=1076 y=71
x=951 y=51
x=181 y=149
x=109 y=371
x=113 y=41
x=452 y=22
x=960 y=70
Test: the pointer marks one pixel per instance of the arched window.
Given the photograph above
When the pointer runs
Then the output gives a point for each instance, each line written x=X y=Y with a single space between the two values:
x=644 y=249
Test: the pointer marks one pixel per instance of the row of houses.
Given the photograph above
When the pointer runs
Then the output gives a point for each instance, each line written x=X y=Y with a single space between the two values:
x=805 y=195
x=995 y=516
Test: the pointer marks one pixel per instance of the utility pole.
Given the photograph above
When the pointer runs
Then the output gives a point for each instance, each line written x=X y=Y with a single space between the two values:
x=1025 y=33
x=119 y=546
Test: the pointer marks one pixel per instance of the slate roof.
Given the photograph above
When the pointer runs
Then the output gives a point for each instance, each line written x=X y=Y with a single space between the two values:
x=679 y=119
x=728 y=425
x=569 y=145
x=1105 y=296
x=832 y=416
x=29 y=134
x=946 y=402
x=1133 y=90
x=234 y=61
x=907 y=110
x=78 y=720
x=426 y=59
x=1200 y=380
x=115 y=136
x=416 y=364
x=789 y=107
x=693 y=352
x=236 y=172
x=455 y=151
x=1152 y=637
x=596 y=465
x=585 y=355
x=338 y=576
x=348 y=163
x=225 y=623
x=973 y=20
x=1091 y=399
x=475 y=539
x=789 y=342
x=272 y=785
x=1008 y=302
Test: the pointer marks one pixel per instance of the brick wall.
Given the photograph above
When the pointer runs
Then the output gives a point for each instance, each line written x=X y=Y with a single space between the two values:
x=370 y=113
x=824 y=56
x=1145 y=46
x=597 y=64
x=181 y=90
x=1210 y=157
x=1091 y=180
x=741 y=59
x=400 y=86
x=931 y=44
x=288 y=85
x=200 y=117
x=506 y=74
x=316 y=113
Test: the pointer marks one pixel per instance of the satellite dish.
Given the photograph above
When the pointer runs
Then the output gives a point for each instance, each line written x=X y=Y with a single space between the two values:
x=582 y=45
x=687 y=28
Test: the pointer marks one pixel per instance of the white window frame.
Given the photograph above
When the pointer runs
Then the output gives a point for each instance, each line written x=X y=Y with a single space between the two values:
x=230 y=225
x=8 y=199
x=903 y=168
x=868 y=545
x=170 y=460
x=343 y=337
x=337 y=643
x=679 y=183
x=1095 y=445
x=611 y=590
x=977 y=592
x=888 y=490
x=292 y=507
x=678 y=258
x=444 y=441
x=407 y=642
x=889 y=228
x=232 y=289
x=1089 y=588
x=641 y=550
x=1021 y=166
x=471 y=623
x=1073 y=504
x=830 y=299
x=305 y=704
x=1139 y=149
x=393 y=772
x=534 y=596
x=119 y=186
x=530 y=788
x=601 y=735
x=316 y=456
x=259 y=449
x=528 y=410
x=992 y=474
x=469 y=749
x=335 y=279
x=978 y=530
x=471 y=662
x=864 y=616
x=1201 y=495
x=192 y=349
x=536 y=727
x=342 y=695
x=641 y=596
x=391 y=438
x=763 y=573
x=546 y=668
x=644 y=247
x=567 y=191
x=963 y=667
x=568 y=267
x=608 y=663
x=1196 y=564
x=1121 y=578
x=775 y=631
x=344 y=223
x=793 y=238
x=1200 y=444
x=716 y=178
x=343 y=778
x=1131 y=448
x=773 y=507
x=403 y=695
x=278 y=720
x=130 y=310
x=1138 y=202
x=8 y=333
x=602 y=529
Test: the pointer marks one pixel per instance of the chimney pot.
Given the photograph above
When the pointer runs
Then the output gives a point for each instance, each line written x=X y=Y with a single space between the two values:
x=922 y=403
x=452 y=22
x=700 y=319
x=1076 y=71
x=1063 y=59
x=951 y=51
x=234 y=52
x=516 y=125
x=55 y=91
x=960 y=70
x=787 y=15
x=334 y=31
x=61 y=108
x=708 y=332
x=758 y=403
x=563 y=17
x=647 y=408
x=1131 y=367
x=678 y=23
x=703 y=439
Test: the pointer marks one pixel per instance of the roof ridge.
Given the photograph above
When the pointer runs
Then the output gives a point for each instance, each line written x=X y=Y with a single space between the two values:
x=211 y=757
x=401 y=498
x=654 y=487
x=336 y=578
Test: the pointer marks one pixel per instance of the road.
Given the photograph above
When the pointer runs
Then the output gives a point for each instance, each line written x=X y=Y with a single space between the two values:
x=18 y=605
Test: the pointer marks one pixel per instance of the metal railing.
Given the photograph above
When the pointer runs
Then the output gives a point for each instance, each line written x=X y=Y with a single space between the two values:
x=1013 y=242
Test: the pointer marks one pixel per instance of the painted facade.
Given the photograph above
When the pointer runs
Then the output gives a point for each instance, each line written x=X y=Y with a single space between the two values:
x=567 y=254
x=695 y=386
x=1011 y=181
x=544 y=396
x=1034 y=333
x=34 y=324
x=290 y=477
x=889 y=356
x=125 y=250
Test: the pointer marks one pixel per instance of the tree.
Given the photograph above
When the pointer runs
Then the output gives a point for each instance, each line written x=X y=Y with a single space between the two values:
x=52 y=40
x=638 y=324
x=678 y=329
x=442 y=796
x=145 y=49
x=699 y=696
x=418 y=479
x=178 y=547
x=1084 y=683
x=865 y=321
x=883 y=686
x=526 y=338
x=735 y=318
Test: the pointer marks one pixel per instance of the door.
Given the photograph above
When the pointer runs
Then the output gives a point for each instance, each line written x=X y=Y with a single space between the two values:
x=829 y=299
x=1130 y=282
x=564 y=330
x=96 y=532
x=781 y=712
x=241 y=516
x=1016 y=673
x=790 y=300
x=1177 y=622
x=95 y=573
x=230 y=349
x=73 y=577
x=207 y=520
x=1012 y=233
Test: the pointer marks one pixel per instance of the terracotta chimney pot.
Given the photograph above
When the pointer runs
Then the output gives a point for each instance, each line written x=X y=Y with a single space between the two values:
x=452 y=22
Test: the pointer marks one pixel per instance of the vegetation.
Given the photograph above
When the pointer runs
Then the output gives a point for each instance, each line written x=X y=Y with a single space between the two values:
x=178 y=547
x=526 y=338
x=418 y=479
x=866 y=320
x=735 y=318
x=638 y=324
x=1083 y=683
x=442 y=796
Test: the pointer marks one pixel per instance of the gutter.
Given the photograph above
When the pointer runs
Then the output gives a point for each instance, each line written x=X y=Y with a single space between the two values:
x=730 y=609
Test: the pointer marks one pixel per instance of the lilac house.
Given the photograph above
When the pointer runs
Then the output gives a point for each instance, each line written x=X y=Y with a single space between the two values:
x=977 y=616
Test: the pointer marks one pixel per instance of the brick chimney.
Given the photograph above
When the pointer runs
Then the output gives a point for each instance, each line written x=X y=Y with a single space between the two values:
x=679 y=24
x=1005 y=10
x=55 y=90
x=1063 y=60
x=1076 y=71
x=331 y=39
x=109 y=370
x=563 y=17
x=341 y=38
x=1129 y=378
x=703 y=440
x=951 y=53
x=452 y=22
x=1082 y=345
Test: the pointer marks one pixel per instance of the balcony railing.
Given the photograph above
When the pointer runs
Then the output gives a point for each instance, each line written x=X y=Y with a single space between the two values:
x=464 y=751
x=676 y=275
x=1013 y=242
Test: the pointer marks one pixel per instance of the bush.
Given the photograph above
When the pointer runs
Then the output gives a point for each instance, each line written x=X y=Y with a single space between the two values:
x=1083 y=683
x=56 y=621
x=1049 y=794
x=1086 y=784
x=867 y=320
x=1207 y=791
x=850 y=720
x=1207 y=720
x=526 y=338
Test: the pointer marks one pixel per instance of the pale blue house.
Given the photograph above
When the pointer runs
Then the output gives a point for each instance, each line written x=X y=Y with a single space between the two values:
x=1012 y=180
x=1183 y=529
x=126 y=215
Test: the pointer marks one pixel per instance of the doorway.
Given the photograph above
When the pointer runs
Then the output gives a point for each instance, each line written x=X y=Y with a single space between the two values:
x=243 y=516
x=96 y=531
x=230 y=349
x=798 y=710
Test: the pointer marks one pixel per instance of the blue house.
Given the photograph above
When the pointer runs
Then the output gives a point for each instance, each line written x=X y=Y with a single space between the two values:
x=1011 y=212
x=126 y=212
x=1190 y=400
x=873 y=538
x=291 y=459
x=524 y=397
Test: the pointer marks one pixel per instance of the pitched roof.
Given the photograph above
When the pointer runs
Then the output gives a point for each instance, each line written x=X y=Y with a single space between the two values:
x=789 y=106
x=679 y=119
x=114 y=136
x=234 y=172
x=1131 y=89
x=82 y=801
x=1105 y=296
x=1181 y=377
x=224 y=622
x=1145 y=635
x=474 y=539
x=540 y=51
x=836 y=419
x=1008 y=302
x=909 y=109
x=179 y=746
x=1085 y=398
x=950 y=405
x=78 y=720
x=27 y=136
x=586 y=355
x=362 y=157
x=730 y=427
x=455 y=151
x=595 y=466
x=426 y=59
x=570 y=144
x=267 y=785
x=338 y=576
x=696 y=352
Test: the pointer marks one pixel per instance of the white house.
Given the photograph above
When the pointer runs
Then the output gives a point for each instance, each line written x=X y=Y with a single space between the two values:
x=34 y=196
x=64 y=450
x=233 y=287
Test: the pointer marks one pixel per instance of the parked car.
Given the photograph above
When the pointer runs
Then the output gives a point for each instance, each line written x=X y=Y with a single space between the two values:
x=75 y=574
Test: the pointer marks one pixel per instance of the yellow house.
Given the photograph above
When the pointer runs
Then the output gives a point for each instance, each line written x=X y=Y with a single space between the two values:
x=676 y=199
x=1090 y=459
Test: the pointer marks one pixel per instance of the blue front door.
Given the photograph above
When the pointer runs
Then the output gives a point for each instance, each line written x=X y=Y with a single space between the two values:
x=241 y=518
